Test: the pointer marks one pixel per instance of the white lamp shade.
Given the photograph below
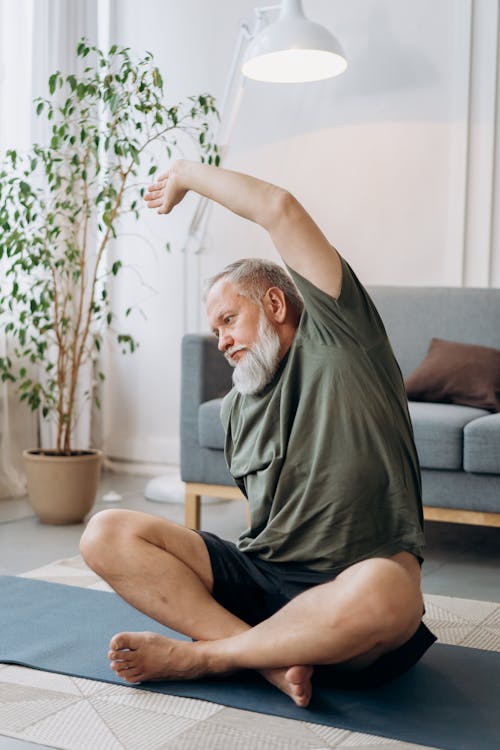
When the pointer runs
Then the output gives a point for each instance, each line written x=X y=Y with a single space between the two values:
x=294 y=50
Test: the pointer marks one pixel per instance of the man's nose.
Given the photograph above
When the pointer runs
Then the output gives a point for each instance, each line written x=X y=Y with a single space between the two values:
x=225 y=342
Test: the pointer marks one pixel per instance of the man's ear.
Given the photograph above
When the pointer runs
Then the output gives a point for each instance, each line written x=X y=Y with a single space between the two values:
x=275 y=304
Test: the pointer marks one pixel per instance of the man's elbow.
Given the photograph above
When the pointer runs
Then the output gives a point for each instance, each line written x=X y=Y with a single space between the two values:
x=281 y=207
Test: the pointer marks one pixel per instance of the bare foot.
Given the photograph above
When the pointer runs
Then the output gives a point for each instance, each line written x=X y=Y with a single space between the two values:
x=294 y=681
x=140 y=657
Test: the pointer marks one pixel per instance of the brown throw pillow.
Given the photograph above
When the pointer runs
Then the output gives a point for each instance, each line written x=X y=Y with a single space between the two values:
x=456 y=373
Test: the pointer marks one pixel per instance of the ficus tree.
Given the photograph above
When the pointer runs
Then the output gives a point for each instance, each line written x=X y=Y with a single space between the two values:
x=62 y=204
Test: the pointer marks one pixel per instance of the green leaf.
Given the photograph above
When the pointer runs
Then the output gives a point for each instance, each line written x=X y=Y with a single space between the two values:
x=114 y=103
x=53 y=82
x=134 y=153
x=157 y=79
x=116 y=267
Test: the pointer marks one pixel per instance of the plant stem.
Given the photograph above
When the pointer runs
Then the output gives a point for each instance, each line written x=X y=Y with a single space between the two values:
x=76 y=360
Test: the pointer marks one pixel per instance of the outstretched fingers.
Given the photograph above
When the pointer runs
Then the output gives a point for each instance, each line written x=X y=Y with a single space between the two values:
x=155 y=194
x=166 y=192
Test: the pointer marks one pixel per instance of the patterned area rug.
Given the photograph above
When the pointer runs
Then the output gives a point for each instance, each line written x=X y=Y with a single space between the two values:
x=78 y=714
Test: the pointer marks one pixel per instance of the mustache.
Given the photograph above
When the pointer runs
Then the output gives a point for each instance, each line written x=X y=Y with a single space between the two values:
x=233 y=350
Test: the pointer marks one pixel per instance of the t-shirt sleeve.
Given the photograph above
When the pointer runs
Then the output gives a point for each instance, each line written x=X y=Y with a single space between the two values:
x=350 y=319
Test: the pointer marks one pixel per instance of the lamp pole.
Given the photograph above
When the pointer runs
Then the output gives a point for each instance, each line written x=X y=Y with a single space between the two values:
x=231 y=102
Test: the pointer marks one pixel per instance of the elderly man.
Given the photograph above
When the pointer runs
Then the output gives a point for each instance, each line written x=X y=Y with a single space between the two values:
x=327 y=576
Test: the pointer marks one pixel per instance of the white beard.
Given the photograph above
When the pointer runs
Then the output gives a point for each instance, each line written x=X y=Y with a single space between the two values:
x=259 y=364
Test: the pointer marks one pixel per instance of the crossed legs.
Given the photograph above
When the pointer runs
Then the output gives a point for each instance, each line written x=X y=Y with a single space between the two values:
x=164 y=570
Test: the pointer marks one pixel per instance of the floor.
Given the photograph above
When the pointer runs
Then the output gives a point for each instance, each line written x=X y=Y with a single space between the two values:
x=461 y=561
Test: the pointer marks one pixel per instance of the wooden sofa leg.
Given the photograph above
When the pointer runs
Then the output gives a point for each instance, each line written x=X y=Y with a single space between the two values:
x=192 y=506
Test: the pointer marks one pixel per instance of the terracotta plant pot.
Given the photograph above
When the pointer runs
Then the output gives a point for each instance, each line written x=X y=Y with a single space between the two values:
x=62 y=489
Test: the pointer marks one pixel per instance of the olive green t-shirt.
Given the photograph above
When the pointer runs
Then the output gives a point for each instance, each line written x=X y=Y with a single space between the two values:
x=325 y=453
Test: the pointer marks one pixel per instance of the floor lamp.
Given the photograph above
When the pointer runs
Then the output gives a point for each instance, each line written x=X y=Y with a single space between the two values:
x=282 y=47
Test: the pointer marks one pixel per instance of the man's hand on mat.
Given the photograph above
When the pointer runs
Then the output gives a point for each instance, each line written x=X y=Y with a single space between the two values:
x=142 y=657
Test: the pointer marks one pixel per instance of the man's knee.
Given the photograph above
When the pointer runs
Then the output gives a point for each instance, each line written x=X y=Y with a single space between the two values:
x=103 y=538
x=389 y=601
x=397 y=602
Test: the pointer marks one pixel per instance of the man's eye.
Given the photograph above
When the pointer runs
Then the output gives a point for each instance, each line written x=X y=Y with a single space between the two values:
x=228 y=319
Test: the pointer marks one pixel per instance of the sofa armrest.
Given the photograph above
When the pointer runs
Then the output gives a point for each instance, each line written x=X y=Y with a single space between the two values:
x=205 y=375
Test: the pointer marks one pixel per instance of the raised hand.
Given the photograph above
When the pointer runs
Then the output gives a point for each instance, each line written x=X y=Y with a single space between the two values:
x=166 y=192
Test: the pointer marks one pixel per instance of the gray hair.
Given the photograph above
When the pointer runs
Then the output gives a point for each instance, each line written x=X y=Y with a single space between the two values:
x=254 y=276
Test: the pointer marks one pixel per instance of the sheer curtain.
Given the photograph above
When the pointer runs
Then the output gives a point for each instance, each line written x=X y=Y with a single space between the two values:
x=18 y=428
x=37 y=37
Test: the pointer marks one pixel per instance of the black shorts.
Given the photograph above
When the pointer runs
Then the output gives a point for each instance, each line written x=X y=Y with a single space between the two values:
x=254 y=589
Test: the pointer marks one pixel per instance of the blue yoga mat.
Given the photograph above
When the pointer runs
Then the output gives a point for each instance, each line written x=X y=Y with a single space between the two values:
x=449 y=700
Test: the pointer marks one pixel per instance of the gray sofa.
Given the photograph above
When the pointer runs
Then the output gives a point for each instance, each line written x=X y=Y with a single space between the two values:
x=458 y=446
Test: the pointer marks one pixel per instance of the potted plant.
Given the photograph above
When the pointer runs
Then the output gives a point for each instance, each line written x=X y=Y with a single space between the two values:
x=61 y=206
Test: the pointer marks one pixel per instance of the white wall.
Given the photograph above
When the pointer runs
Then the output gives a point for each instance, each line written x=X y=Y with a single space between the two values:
x=396 y=160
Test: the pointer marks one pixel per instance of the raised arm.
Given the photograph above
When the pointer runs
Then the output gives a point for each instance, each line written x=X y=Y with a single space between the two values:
x=297 y=238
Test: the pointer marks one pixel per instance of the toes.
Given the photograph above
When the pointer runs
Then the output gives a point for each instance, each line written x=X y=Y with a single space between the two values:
x=126 y=641
x=117 y=643
x=129 y=674
x=303 y=702
x=299 y=680
x=134 y=678
x=125 y=655
x=301 y=694
x=119 y=668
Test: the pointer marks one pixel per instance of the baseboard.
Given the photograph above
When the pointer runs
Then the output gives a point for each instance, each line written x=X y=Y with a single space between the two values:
x=143 y=449
x=139 y=468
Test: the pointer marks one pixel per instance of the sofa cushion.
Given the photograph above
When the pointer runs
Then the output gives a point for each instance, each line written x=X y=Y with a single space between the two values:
x=482 y=445
x=438 y=430
x=210 y=429
x=456 y=373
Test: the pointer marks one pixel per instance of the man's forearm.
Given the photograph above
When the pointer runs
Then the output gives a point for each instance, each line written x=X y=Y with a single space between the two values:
x=296 y=237
x=246 y=196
